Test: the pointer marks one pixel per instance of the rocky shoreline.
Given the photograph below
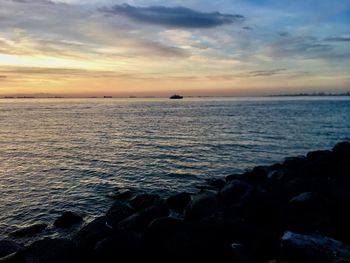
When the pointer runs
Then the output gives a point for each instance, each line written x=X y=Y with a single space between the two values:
x=294 y=211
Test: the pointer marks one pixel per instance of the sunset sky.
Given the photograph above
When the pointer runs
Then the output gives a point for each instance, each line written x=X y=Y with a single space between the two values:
x=193 y=47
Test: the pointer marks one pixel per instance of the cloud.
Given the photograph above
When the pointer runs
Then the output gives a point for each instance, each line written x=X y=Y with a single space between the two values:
x=180 y=17
x=305 y=47
x=344 y=38
x=265 y=73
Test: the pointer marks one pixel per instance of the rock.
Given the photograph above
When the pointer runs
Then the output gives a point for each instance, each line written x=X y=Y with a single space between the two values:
x=255 y=176
x=67 y=219
x=202 y=205
x=118 y=212
x=236 y=191
x=29 y=230
x=318 y=156
x=179 y=201
x=8 y=247
x=89 y=235
x=307 y=212
x=141 y=219
x=294 y=166
x=232 y=177
x=48 y=251
x=167 y=236
x=313 y=248
x=123 y=245
x=342 y=149
x=142 y=201
x=216 y=183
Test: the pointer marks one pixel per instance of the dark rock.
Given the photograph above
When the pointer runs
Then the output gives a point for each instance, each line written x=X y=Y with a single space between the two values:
x=118 y=212
x=142 y=201
x=202 y=205
x=29 y=230
x=121 y=194
x=90 y=234
x=318 y=156
x=140 y=220
x=48 y=251
x=241 y=254
x=313 y=248
x=8 y=247
x=179 y=201
x=124 y=245
x=68 y=219
x=216 y=183
x=255 y=176
x=232 y=177
x=294 y=166
x=236 y=191
x=342 y=149
x=307 y=213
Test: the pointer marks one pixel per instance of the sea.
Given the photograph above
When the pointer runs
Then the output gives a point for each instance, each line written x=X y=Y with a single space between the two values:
x=64 y=154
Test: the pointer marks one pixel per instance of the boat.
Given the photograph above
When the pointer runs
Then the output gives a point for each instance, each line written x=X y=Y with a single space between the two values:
x=176 y=97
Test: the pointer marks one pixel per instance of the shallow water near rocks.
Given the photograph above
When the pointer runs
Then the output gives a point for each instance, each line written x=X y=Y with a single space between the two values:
x=68 y=154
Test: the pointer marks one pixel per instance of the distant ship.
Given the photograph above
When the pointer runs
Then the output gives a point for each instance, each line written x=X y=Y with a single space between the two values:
x=176 y=97
x=107 y=97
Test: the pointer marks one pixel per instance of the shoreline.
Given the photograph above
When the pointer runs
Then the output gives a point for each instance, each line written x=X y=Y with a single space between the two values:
x=294 y=211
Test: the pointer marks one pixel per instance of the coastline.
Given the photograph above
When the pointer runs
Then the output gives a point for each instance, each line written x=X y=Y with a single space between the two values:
x=294 y=211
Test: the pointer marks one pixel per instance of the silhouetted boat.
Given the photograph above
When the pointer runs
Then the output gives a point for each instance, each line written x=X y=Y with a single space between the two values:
x=176 y=97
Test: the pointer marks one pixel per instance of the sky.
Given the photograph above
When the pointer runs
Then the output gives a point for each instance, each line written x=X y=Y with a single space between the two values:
x=158 y=48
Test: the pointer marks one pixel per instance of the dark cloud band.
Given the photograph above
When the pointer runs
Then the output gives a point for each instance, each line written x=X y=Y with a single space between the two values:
x=173 y=16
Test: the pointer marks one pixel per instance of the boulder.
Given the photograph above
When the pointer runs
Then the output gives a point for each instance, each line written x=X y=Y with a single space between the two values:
x=202 y=205
x=236 y=191
x=67 y=219
x=216 y=182
x=29 y=230
x=140 y=220
x=313 y=248
x=123 y=245
x=118 y=212
x=318 y=156
x=89 y=235
x=179 y=201
x=8 y=247
x=342 y=149
x=307 y=212
x=48 y=251
x=142 y=201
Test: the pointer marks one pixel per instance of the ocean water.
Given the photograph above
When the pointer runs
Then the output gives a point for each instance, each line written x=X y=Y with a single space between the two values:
x=68 y=154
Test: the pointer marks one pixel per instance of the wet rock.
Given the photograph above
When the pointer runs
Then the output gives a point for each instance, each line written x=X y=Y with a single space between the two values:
x=29 y=230
x=179 y=201
x=90 y=234
x=342 y=149
x=318 y=156
x=202 y=205
x=216 y=183
x=124 y=245
x=232 y=177
x=140 y=220
x=313 y=248
x=255 y=176
x=118 y=212
x=236 y=191
x=48 y=251
x=307 y=212
x=67 y=219
x=142 y=201
x=8 y=247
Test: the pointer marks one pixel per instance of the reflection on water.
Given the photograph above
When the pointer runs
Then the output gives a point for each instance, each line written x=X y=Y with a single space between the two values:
x=58 y=154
